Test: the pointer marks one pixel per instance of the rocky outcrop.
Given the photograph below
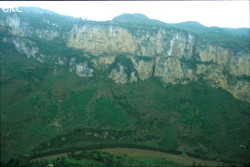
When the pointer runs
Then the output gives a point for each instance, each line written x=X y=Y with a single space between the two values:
x=103 y=62
x=224 y=68
x=119 y=76
x=16 y=26
x=29 y=48
x=83 y=70
x=144 y=68
x=174 y=56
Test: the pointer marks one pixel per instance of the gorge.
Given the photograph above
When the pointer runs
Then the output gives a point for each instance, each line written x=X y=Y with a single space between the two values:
x=68 y=82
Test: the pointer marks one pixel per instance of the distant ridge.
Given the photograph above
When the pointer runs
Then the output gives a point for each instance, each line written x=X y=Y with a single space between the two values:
x=191 y=26
x=136 y=18
x=127 y=17
x=36 y=10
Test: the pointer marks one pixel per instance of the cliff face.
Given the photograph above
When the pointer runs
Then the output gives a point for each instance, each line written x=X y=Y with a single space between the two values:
x=132 y=53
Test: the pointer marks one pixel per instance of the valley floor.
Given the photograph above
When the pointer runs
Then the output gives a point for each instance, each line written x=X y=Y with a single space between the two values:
x=156 y=154
x=143 y=155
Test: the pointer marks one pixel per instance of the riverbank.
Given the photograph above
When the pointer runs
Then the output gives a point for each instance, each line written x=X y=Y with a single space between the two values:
x=146 y=154
x=140 y=153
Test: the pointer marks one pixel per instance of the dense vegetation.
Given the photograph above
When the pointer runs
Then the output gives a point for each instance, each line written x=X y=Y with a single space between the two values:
x=45 y=108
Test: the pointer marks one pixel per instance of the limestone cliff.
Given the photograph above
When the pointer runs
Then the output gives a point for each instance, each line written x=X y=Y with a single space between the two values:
x=176 y=56
x=130 y=53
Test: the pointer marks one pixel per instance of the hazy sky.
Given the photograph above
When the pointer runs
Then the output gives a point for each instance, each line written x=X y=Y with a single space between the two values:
x=210 y=13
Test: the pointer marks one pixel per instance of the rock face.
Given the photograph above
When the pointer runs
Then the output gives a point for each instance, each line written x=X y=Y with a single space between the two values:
x=83 y=70
x=29 y=48
x=106 y=39
x=174 y=56
x=23 y=29
x=119 y=75
x=143 y=68
x=100 y=39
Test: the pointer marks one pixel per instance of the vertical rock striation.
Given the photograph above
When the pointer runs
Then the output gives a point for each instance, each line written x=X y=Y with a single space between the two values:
x=174 y=56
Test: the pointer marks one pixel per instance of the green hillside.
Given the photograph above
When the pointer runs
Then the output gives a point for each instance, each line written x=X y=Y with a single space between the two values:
x=43 y=110
x=46 y=109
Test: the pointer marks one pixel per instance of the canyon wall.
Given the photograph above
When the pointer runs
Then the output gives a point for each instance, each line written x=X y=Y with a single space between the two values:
x=132 y=53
